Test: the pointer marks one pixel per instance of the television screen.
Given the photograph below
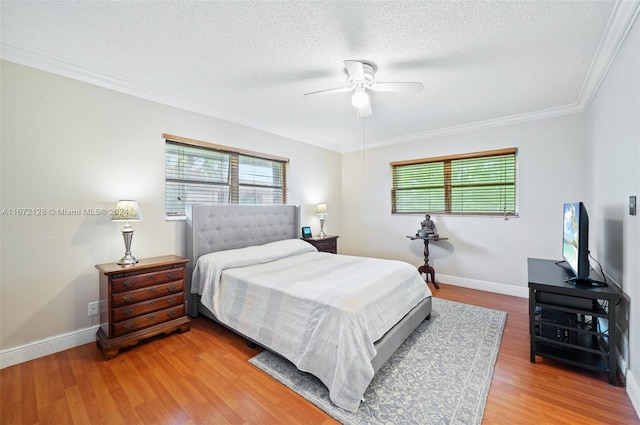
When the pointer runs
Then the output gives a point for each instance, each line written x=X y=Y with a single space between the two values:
x=575 y=249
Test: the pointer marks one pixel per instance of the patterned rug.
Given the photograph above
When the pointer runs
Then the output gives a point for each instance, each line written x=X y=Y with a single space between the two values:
x=440 y=375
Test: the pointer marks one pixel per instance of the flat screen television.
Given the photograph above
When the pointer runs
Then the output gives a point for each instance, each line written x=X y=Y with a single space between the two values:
x=575 y=242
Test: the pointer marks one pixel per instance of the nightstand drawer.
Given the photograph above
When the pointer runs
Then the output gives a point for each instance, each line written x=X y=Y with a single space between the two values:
x=147 y=279
x=147 y=293
x=133 y=310
x=128 y=326
x=326 y=246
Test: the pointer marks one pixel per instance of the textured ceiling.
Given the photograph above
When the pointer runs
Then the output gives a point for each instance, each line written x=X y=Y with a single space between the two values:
x=482 y=63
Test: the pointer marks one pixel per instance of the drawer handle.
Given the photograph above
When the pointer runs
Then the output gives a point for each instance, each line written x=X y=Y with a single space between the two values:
x=171 y=300
x=127 y=297
x=150 y=303
x=152 y=289
x=128 y=325
x=172 y=287
x=152 y=317
x=172 y=313
x=128 y=283
x=127 y=311
x=171 y=275
x=151 y=276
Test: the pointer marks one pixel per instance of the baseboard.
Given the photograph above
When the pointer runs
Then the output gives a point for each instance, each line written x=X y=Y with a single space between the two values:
x=44 y=347
x=498 y=288
x=633 y=389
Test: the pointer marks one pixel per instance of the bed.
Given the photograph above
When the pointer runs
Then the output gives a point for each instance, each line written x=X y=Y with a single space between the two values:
x=249 y=271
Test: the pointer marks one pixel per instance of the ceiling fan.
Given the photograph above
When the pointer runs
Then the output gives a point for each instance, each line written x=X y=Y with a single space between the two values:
x=360 y=76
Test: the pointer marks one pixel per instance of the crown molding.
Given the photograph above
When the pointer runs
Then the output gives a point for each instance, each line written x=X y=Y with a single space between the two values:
x=46 y=63
x=475 y=126
x=621 y=21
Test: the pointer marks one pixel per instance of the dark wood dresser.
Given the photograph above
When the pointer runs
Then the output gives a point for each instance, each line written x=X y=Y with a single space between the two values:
x=140 y=301
x=327 y=243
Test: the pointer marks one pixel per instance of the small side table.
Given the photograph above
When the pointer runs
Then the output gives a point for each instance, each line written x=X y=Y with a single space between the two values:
x=426 y=268
x=327 y=243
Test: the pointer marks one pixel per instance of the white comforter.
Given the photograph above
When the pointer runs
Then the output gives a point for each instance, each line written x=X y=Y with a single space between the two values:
x=323 y=312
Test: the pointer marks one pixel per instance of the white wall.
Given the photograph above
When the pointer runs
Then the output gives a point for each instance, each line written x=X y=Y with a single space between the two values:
x=613 y=122
x=67 y=144
x=483 y=252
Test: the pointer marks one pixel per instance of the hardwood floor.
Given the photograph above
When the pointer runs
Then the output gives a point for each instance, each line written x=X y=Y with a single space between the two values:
x=545 y=392
x=203 y=377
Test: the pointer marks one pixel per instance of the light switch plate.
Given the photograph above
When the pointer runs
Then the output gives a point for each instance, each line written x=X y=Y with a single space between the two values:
x=632 y=205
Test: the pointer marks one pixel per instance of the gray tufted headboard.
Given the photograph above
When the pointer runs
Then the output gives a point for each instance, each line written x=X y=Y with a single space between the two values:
x=212 y=228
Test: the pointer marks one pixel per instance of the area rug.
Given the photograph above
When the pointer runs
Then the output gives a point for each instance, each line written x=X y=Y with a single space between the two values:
x=440 y=375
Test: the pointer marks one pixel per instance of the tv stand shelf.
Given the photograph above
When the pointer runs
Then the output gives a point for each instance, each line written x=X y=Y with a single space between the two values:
x=571 y=323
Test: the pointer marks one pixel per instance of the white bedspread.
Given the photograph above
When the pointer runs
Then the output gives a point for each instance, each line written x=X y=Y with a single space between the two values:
x=323 y=312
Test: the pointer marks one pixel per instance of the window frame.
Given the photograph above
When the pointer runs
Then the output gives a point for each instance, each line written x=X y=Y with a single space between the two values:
x=447 y=184
x=233 y=179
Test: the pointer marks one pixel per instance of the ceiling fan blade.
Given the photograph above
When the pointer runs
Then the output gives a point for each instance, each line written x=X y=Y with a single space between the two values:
x=365 y=111
x=329 y=91
x=355 y=70
x=397 y=87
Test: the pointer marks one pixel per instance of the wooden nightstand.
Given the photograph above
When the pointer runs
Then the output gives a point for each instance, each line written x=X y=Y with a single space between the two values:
x=328 y=243
x=140 y=301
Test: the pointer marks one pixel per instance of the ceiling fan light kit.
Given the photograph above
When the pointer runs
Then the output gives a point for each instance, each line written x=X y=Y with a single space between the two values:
x=360 y=98
x=360 y=76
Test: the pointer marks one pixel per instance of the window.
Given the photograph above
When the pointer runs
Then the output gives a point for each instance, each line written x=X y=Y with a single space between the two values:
x=204 y=173
x=482 y=183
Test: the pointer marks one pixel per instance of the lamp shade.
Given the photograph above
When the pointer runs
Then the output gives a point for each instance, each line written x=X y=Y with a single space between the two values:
x=126 y=211
x=321 y=209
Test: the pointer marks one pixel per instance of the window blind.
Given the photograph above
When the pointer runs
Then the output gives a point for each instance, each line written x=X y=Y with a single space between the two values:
x=260 y=181
x=482 y=183
x=198 y=174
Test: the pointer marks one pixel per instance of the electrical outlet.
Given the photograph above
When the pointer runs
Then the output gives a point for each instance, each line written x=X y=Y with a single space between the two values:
x=94 y=308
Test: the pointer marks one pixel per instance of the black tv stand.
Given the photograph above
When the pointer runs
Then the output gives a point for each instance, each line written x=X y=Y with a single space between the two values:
x=570 y=322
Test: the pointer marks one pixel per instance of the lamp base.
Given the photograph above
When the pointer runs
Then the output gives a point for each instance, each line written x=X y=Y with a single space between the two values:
x=322 y=234
x=127 y=234
x=127 y=260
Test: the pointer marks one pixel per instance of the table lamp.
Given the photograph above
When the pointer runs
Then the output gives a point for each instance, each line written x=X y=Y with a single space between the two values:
x=127 y=211
x=321 y=210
